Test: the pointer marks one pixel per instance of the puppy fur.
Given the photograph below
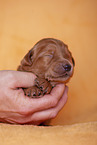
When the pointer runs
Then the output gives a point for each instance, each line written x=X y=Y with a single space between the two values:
x=51 y=61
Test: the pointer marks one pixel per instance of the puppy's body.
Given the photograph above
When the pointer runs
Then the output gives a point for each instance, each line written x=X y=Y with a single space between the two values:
x=52 y=63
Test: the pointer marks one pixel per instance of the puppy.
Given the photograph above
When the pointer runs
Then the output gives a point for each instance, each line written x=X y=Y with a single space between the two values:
x=52 y=63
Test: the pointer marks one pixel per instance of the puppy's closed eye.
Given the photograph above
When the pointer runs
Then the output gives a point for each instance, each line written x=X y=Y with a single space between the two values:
x=48 y=56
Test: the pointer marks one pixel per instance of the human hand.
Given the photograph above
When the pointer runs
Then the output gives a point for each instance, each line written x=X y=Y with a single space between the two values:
x=17 y=108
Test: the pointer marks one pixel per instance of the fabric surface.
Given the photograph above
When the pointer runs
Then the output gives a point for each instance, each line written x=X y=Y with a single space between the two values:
x=78 y=134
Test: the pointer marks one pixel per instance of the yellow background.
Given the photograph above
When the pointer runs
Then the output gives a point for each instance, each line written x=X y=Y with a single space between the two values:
x=24 y=22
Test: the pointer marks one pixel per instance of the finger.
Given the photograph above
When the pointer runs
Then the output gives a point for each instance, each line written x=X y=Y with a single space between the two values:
x=22 y=79
x=41 y=116
x=29 y=105
x=52 y=112
x=47 y=101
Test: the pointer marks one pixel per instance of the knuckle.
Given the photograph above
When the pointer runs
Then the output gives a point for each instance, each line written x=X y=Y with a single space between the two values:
x=52 y=115
x=54 y=102
x=12 y=77
x=23 y=111
x=20 y=122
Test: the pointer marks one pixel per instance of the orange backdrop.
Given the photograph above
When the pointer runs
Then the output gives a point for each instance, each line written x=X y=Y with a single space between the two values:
x=24 y=22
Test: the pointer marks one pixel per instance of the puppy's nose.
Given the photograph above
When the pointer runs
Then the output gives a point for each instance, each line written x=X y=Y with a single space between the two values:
x=67 y=67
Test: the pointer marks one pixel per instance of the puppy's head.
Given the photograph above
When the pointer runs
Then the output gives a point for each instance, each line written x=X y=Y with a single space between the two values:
x=50 y=59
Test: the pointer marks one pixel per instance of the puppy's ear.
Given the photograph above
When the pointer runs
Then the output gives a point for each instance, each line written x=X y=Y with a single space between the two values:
x=28 y=59
x=73 y=61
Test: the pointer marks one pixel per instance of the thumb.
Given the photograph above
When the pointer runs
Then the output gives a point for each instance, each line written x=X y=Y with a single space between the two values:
x=22 y=79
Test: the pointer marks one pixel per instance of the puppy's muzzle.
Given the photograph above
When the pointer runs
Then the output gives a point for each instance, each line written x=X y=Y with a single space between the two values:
x=67 y=69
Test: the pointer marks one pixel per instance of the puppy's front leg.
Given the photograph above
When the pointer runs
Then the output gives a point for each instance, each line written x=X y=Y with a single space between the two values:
x=44 y=85
x=40 y=88
x=33 y=92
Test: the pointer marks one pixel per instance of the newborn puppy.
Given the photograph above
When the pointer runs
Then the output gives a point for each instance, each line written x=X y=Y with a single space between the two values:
x=52 y=63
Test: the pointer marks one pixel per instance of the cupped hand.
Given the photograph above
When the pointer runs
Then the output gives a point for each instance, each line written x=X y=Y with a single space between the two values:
x=17 y=108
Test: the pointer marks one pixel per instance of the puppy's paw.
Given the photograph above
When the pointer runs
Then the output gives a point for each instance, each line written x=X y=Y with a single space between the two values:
x=43 y=85
x=33 y=92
